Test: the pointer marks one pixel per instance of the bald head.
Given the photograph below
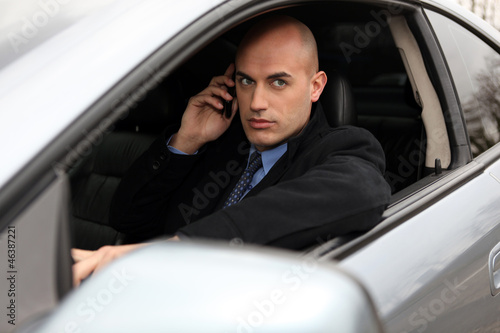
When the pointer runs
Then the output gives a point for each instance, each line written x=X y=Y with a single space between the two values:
x=277 y=80
x=275 y=31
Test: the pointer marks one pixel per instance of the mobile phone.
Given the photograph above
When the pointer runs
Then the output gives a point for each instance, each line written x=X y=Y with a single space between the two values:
x=228 y=104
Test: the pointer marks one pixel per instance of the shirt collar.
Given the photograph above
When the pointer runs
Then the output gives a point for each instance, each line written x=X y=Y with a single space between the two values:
x=271 y=156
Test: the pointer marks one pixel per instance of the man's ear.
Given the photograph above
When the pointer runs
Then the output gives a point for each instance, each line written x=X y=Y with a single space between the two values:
x=318 y=83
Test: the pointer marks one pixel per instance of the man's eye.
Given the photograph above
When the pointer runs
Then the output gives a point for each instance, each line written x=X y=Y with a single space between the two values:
x=246 y=82
x=279 y=83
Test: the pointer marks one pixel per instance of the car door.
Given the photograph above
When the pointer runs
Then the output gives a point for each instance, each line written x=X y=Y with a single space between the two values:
x=432 y=265
x=34 y=247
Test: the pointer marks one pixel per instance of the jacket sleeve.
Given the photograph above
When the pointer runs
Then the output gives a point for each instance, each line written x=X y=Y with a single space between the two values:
x=140 y=200
x=344 y=191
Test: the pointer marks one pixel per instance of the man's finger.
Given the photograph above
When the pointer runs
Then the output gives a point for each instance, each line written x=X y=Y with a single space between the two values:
x=222 y=81
x=220 y=91
x=230 y=70
x=213 y=101
x=79 y=254
x=225 y=79
x=235 y=106
x=84 y=268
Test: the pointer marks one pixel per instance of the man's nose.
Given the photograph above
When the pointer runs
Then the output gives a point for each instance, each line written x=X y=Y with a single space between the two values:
x=259 y=100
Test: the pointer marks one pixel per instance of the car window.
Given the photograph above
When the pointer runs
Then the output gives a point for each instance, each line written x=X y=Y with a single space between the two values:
x=475 y=68
x=384 y=102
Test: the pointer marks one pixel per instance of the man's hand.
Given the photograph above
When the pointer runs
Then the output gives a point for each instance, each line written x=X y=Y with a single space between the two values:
x=203 y=120
x=87 y=262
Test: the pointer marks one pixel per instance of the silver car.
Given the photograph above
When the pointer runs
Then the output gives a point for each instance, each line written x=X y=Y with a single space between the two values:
x=85 y=86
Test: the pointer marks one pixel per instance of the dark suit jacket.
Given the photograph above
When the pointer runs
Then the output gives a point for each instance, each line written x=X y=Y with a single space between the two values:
x=328 y=183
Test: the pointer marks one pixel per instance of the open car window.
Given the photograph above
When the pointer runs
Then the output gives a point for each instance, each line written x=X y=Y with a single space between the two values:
x=357 y=42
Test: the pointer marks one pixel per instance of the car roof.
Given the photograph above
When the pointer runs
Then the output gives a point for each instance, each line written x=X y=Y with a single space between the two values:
x=27 y=24
x=47 y=86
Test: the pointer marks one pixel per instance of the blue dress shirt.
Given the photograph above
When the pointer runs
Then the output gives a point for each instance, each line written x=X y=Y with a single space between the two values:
x=269 y=158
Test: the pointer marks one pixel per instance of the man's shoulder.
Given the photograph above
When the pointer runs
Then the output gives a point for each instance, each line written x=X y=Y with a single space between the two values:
x=348 y=132
x=351 y=140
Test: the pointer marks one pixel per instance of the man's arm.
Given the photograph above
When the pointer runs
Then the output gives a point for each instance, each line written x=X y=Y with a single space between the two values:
x=141 y=199
x=203 y=121
x=344 y=191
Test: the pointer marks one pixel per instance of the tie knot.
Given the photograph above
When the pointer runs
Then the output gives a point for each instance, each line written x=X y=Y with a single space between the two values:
x=255 y=162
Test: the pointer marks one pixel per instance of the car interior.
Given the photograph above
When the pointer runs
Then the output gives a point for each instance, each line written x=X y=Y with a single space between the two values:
x=362 y=48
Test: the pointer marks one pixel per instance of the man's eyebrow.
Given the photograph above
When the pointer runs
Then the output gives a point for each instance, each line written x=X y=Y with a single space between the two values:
x=278 y=75
x=272 y=76
x=246 y=76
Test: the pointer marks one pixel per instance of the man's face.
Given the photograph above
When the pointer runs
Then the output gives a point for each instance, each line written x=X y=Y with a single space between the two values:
x=274 y=87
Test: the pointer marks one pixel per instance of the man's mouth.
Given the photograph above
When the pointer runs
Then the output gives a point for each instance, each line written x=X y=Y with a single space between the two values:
x=258 y=123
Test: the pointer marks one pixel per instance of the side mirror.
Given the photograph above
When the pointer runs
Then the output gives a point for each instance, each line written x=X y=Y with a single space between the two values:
x=207 y=287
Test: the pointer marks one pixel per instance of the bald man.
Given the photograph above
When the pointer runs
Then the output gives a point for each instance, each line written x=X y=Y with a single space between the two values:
x=313 y=181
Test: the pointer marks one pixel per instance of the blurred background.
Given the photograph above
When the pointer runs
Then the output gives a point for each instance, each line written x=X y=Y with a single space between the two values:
x=488 y=10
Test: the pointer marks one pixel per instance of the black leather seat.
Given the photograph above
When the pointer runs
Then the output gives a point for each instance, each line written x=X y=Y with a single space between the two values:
x=94 y=180
x=337 y=100
x=400 y=134
x=394 y=118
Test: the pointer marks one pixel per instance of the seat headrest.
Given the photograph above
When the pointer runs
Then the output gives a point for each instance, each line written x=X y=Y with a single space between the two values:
x=337 y=100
